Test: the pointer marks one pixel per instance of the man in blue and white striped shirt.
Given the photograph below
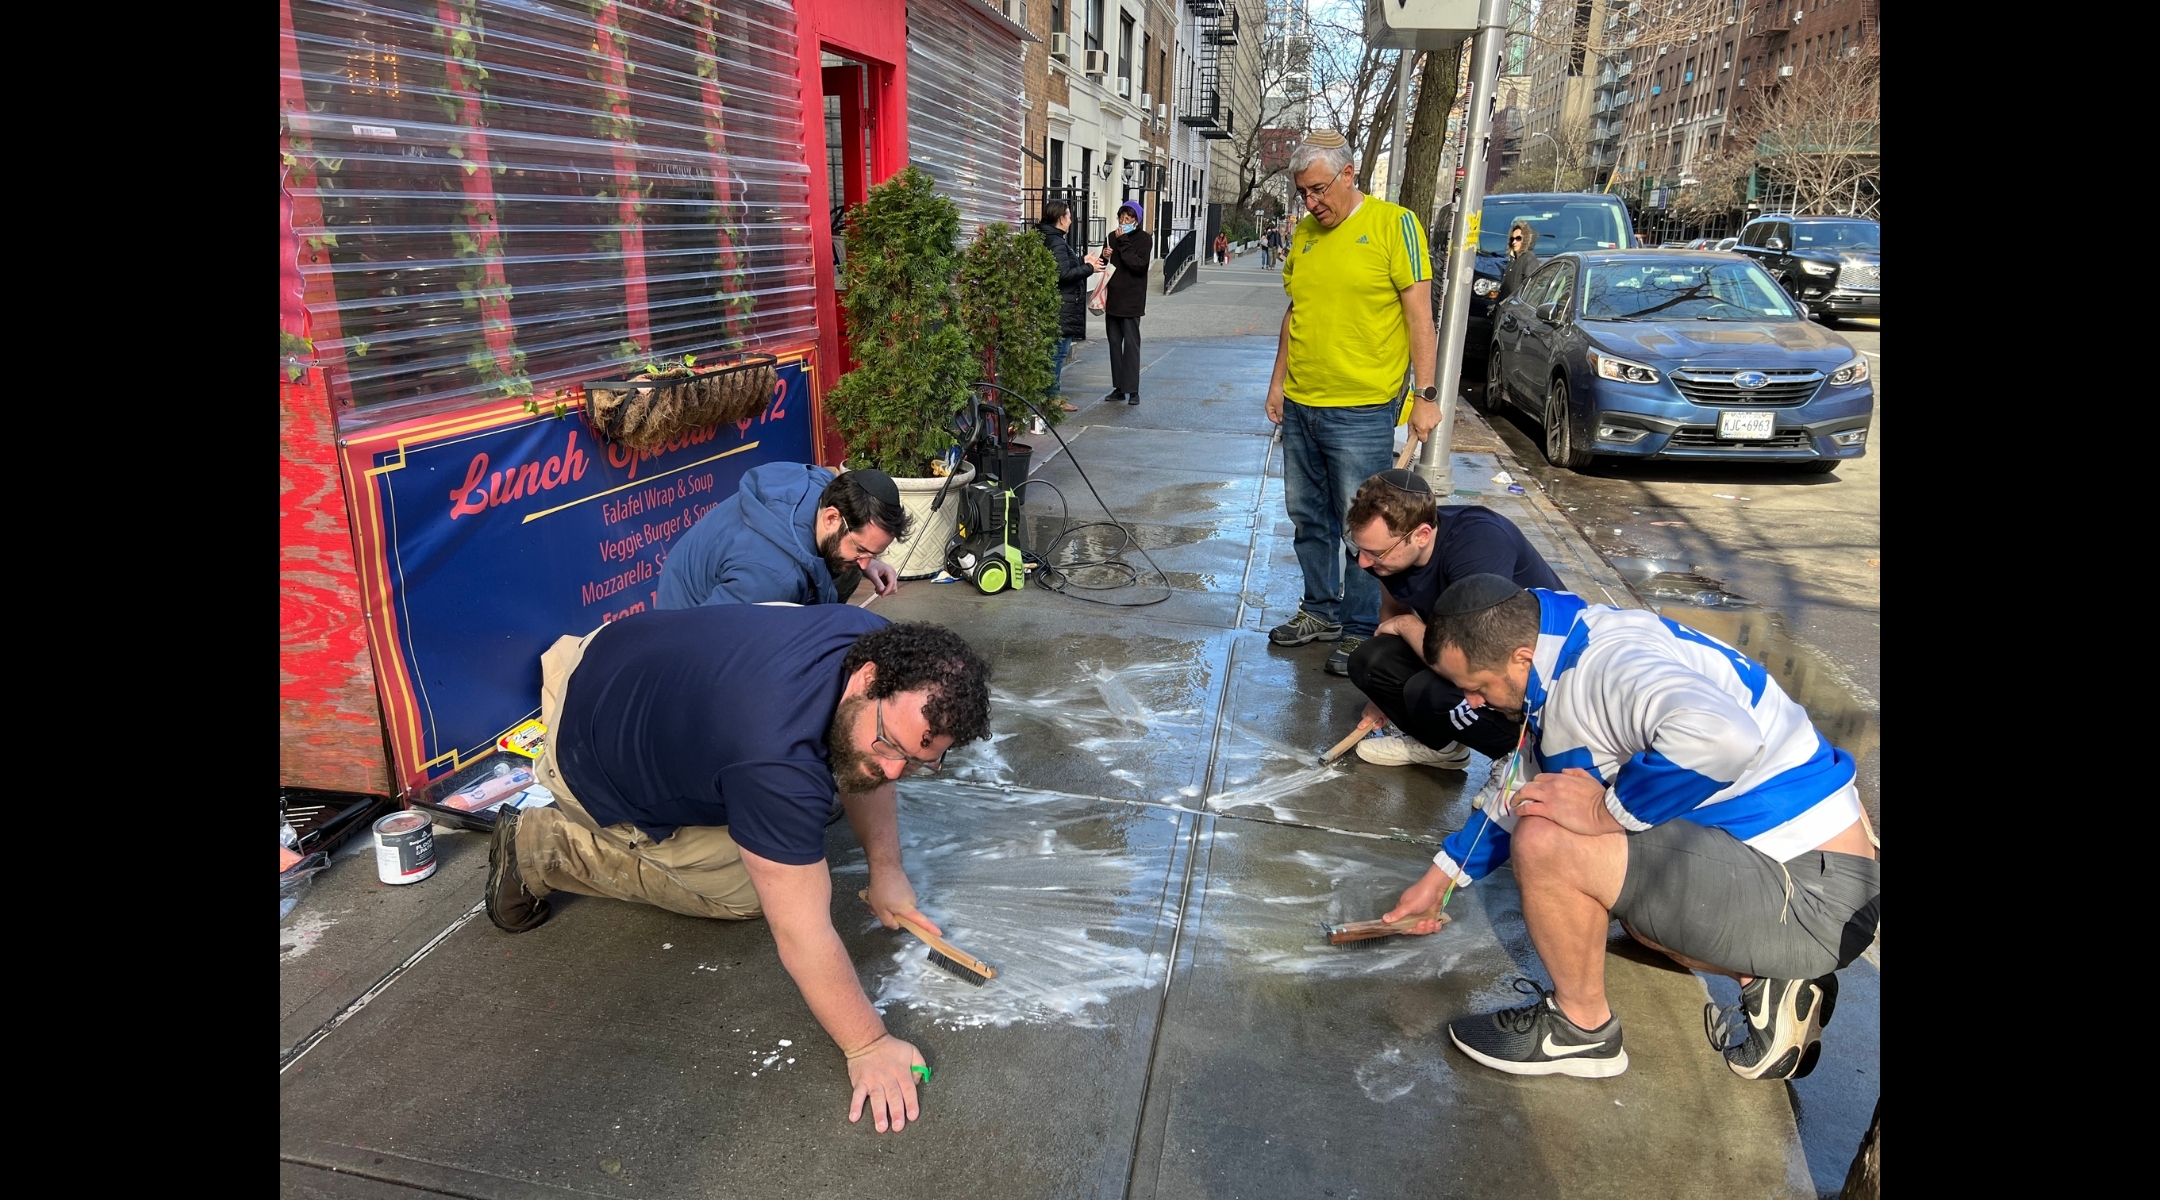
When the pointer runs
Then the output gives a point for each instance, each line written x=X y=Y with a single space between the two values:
x=1676 y=788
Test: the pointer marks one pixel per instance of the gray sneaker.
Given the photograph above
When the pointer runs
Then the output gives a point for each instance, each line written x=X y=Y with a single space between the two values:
x=1303 y=628
x=1338 y=663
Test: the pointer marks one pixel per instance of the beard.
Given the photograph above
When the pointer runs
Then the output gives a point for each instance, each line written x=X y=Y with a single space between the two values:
x=854 y=772
x=845 y=574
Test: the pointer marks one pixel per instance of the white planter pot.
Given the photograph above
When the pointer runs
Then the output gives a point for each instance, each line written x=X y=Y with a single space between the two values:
x=932 y=531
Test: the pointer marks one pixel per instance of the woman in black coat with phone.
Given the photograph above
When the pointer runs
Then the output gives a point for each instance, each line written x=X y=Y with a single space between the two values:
x=1128 y=249
x=1072 y=275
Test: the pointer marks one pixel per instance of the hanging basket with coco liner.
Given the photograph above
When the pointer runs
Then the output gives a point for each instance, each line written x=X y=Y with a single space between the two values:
x=664 y=402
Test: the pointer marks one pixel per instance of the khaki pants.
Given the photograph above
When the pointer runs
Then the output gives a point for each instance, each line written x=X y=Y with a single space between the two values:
x=698 y=871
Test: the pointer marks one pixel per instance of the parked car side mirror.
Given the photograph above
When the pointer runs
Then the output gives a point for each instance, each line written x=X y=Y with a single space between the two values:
x=1549 y=312
x=1776 y=243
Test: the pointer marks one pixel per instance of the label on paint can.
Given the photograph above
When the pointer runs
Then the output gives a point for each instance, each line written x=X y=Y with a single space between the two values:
x=404 y=847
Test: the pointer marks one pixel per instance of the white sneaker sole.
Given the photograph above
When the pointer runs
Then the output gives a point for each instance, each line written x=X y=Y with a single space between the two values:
x=1792 y=1034
x=1580 y=1068
x=1391 y=757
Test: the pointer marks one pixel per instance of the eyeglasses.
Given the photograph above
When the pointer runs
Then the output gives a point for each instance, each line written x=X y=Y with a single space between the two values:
x=1317 y=190
x=1513 y=238
x=1356 y=550
x=916 y=766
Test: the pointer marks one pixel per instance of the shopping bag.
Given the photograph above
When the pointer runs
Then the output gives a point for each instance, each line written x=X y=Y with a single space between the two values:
x=1101 y=295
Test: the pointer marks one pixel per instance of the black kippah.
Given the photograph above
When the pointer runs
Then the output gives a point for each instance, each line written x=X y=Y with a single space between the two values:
x=1475 y=593
x=1404 y=480
x=876 y=484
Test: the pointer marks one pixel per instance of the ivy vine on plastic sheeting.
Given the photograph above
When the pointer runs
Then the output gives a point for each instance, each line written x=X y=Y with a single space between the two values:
x=485 y=288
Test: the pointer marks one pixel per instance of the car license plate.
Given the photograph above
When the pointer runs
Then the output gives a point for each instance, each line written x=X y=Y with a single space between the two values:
x=1746 y=426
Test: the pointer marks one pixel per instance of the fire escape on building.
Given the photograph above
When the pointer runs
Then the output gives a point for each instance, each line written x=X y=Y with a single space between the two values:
x=1203 y=107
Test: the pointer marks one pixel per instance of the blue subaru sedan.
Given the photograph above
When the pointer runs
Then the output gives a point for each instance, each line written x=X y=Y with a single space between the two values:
x=1673 y=354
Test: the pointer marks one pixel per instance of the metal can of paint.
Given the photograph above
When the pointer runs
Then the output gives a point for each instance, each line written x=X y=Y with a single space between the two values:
x=404 y=847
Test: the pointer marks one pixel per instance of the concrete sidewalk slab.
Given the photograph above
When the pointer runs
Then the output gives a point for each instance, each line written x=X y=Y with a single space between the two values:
x=1145 y=851
x=1292 y=1068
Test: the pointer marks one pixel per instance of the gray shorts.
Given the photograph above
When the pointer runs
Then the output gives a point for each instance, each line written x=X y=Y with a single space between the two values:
x=1706 y=894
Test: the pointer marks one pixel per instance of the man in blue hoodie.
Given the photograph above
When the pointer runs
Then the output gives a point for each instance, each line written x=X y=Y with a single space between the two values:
x=794 y=532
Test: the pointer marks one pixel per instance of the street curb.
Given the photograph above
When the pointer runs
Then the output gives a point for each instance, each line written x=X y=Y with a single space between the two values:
x=1589 y=562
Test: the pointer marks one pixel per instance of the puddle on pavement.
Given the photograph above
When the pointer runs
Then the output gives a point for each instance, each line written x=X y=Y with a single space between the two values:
x=1669 y=580
x=1061 y=895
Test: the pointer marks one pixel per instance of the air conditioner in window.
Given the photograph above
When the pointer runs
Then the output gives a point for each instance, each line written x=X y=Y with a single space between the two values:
x=1785 y=72
x=1146 y=102
x=1096 y=64
x=1124 y=86
x=1162 y=112
x=1057 y=48
x=1797 y=14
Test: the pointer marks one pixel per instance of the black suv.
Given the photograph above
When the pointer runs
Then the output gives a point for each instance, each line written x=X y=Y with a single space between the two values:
x=1832 y=265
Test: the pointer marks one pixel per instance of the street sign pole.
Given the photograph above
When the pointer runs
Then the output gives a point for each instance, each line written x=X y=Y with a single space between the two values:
x=1435 y=464
x=1397 y=160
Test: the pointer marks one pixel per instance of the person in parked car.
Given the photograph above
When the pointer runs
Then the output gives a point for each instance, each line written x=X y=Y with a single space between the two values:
x=1072 y=274
x=1522 y=260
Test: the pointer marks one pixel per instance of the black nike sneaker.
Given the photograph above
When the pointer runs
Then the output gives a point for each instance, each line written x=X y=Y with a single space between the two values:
x=1538 y=1039
x=1775 y=1032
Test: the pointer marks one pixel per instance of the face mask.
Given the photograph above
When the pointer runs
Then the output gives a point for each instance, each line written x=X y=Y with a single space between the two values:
x=1126 y=226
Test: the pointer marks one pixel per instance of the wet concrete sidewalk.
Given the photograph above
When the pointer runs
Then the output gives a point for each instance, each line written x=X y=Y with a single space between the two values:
x=1146 y=852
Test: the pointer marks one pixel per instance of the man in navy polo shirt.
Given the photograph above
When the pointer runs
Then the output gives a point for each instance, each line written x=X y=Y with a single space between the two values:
x=1400 y=534
x=694 y=755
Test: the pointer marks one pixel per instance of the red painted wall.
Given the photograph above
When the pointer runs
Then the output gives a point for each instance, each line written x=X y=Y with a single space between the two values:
x=873 y=32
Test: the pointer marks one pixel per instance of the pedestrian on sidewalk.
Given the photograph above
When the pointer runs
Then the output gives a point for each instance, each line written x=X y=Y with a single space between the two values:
x=1684 y=793
x=695 y=756
x=1072 y=275
x=1222 y=248
x=1400 y=534
x=1272 y=253
x=1358 y=332
x=1128 y=249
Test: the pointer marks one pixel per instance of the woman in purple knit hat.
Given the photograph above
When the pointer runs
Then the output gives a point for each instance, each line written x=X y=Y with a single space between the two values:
x=1126 y=301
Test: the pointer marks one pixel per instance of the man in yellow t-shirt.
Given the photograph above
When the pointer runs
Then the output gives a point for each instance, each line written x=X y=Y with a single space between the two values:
x=1359 y=336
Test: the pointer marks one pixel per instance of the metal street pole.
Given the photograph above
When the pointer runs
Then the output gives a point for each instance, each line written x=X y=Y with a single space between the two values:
x=1395 y=161
x=1435 y=464
x=1555 y=157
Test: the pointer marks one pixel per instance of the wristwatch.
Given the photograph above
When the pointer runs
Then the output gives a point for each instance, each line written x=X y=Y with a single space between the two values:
x=1429 y=392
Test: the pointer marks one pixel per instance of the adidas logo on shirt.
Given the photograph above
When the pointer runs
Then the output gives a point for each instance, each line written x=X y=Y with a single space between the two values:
x=1363 y=240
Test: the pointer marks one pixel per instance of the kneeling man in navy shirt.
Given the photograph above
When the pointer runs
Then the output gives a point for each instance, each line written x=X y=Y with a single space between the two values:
x=694 y=756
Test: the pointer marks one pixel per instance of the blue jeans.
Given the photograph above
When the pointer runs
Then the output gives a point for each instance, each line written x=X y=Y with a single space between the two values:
x=1327 y=453
x=1057 y=369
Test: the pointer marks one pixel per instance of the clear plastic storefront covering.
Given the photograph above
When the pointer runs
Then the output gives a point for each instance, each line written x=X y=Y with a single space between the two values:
x=965 y=100
x=506 y=197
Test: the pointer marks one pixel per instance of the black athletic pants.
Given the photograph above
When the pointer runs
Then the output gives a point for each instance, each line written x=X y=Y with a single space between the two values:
x=1124 y=353
x=1424 y=705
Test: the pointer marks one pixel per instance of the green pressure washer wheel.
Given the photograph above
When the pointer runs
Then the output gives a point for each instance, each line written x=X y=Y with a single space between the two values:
x=992 y=577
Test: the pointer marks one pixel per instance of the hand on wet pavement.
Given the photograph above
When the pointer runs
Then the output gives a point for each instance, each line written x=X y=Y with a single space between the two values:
x=884 y=1079
x=1573 y=799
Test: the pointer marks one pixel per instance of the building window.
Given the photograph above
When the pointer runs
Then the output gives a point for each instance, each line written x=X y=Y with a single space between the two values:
x=1124 y=49
x=1094 y=24
x=1057 y=16
x=1728 y=58
x=1057 y=162
x=1720 y=102
x=1147 y=52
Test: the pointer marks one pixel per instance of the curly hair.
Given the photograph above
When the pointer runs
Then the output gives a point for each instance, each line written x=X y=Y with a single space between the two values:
x=912 y=655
